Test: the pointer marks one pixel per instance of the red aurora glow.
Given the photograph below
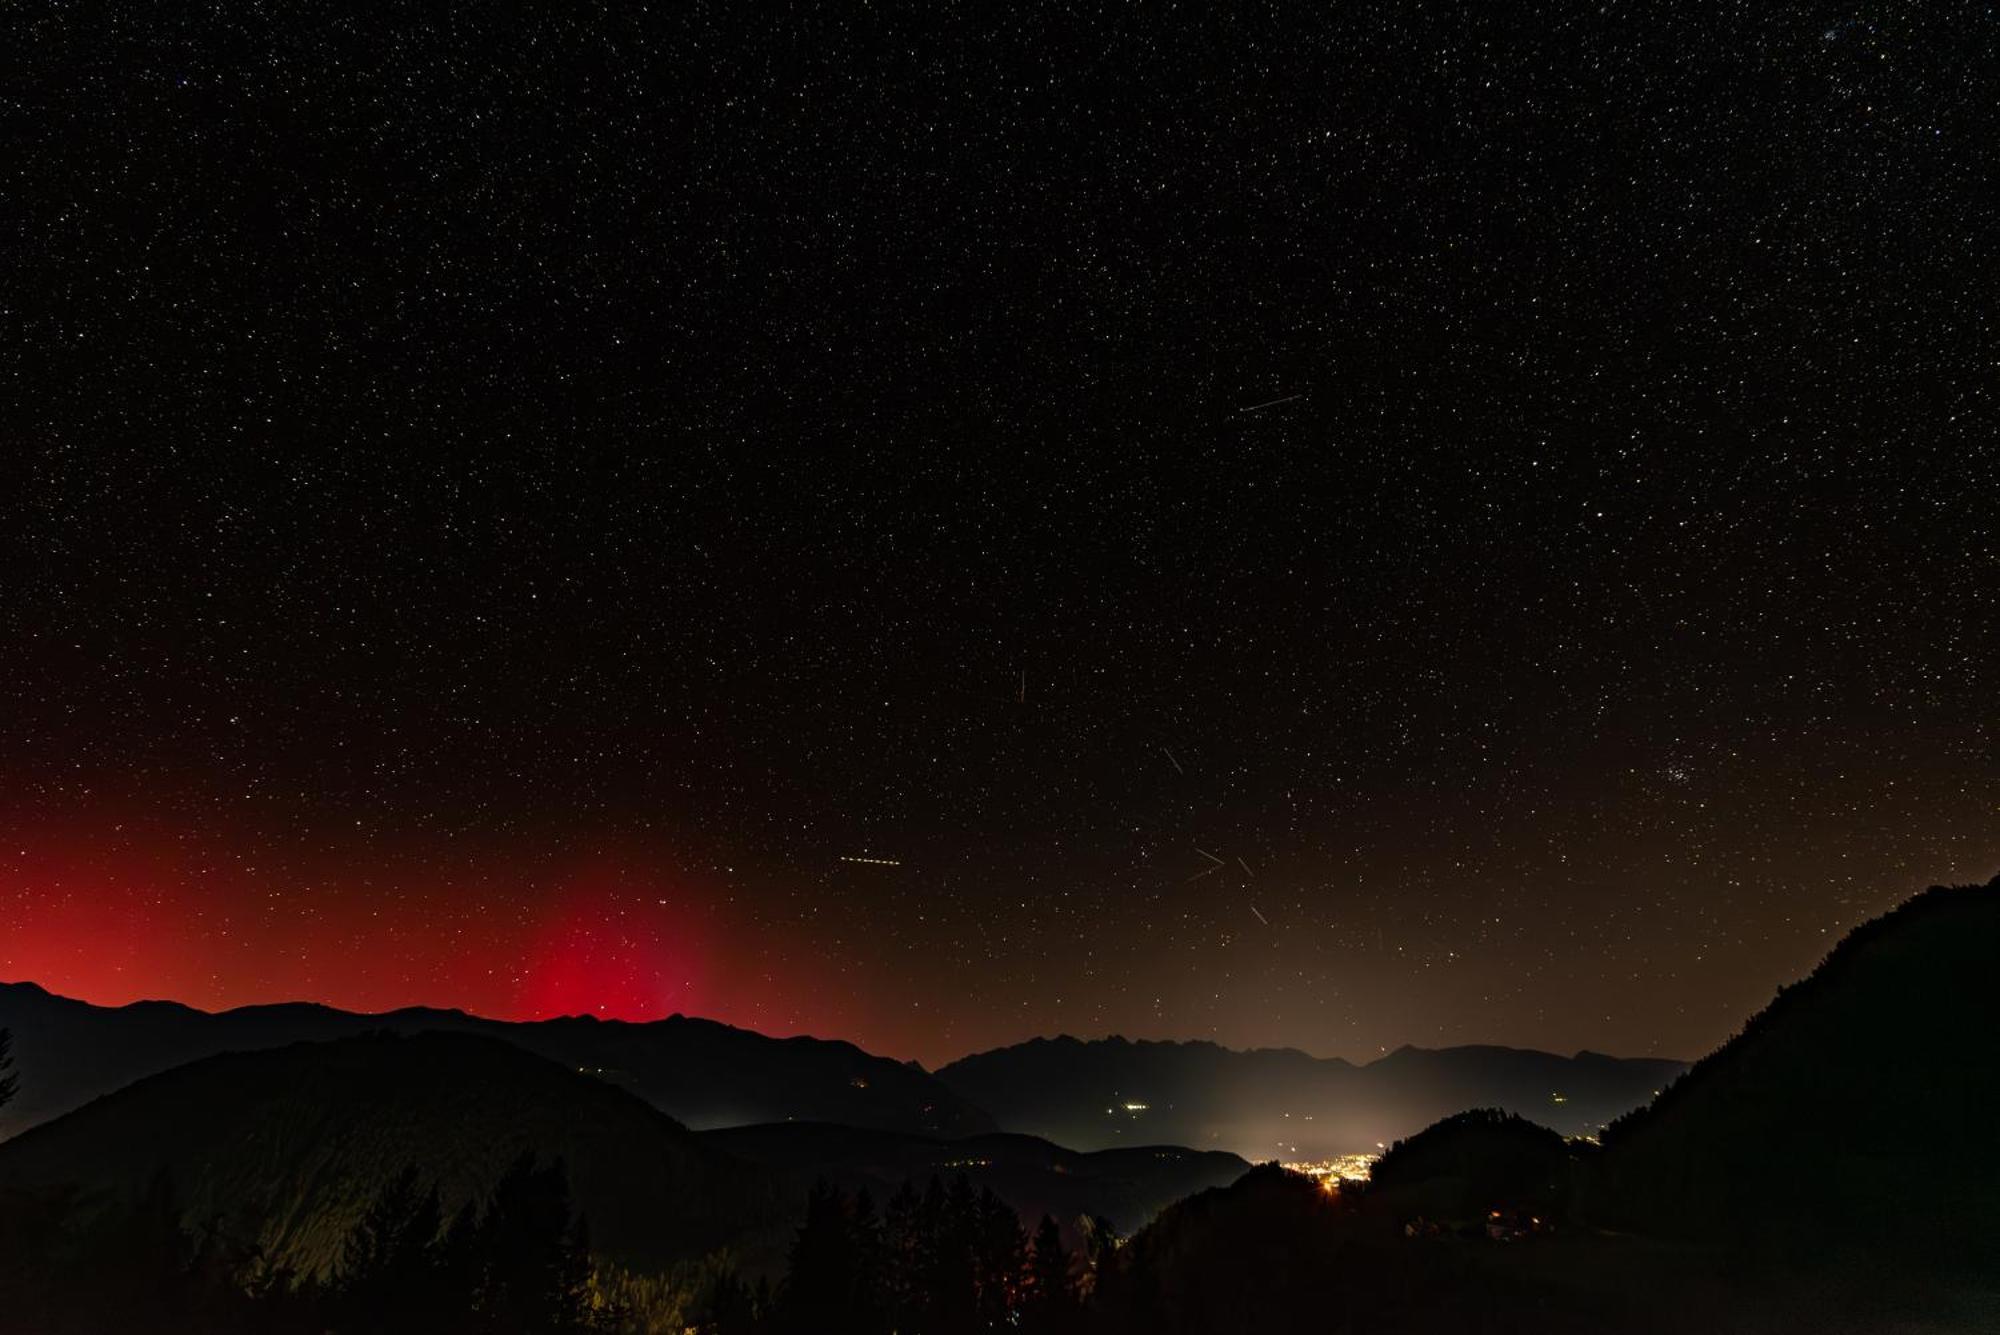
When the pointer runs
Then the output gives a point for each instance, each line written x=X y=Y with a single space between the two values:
x=117 y=911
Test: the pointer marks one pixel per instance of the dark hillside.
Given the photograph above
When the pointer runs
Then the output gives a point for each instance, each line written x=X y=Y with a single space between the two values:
x=1034 y=1177
x=287 y=1146
x=1479 y=1161
x=1859 y=1105
x=699 y=1072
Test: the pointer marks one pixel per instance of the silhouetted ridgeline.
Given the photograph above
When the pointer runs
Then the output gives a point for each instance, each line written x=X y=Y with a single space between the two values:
x=286 y=1146
x=1281 y=1103
x=699 y=1072
x=1264 y=1103
x=254 y=1173
x=1457 y=1170
x=1832 y=1168
x=1860 y=1105
x=1276 y=1253
x=1828 y=1169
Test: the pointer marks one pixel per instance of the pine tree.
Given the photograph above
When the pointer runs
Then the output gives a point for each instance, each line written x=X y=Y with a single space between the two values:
x=9 y=1084
x=535 y=1273
x=1051 y=1294
x=461 y=1270
x=902 y=1253
x=1100 y=1244
x=955 y=1294
x=820 y=1292
x=728 y=1308
x=870 y=1284
x=933 y=1244
x=391 y=1275
x=998 y=1255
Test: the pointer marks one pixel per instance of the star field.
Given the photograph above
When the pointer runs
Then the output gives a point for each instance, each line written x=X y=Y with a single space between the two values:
x=1331 y=528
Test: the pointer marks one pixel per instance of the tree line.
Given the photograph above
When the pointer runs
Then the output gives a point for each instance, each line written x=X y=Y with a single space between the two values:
x=517 y=1264
x=944 y=1261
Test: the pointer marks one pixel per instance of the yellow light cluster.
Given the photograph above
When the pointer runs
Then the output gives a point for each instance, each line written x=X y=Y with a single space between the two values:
x=1330 y=1173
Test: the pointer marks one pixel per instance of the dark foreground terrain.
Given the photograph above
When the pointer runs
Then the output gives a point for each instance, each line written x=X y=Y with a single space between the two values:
x=1827 y=1170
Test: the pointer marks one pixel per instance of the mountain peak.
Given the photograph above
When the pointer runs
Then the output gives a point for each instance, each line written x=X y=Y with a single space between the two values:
x=1281 y=1102
x=701 y=1072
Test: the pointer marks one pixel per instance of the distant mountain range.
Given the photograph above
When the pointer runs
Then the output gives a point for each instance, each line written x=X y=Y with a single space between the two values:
x=1845 y=1135
x=1830 y=1168
x=1089 y=1095
x=699 y=1072
x=1279 y=1103
x=286 y=1147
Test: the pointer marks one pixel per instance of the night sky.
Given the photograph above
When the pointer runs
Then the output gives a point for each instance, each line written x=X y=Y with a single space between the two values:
x=1334 y=525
